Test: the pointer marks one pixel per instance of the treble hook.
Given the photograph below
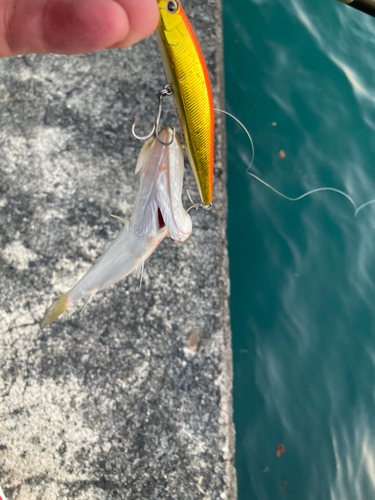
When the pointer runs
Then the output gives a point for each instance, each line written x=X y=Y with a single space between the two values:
x=197 y=206
x=166 y=91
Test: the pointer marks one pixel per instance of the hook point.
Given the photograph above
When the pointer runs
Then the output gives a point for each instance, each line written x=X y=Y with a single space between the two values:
x=166 y=91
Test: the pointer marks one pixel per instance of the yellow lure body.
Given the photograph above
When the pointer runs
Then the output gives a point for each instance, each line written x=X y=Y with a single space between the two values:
x=187 y=74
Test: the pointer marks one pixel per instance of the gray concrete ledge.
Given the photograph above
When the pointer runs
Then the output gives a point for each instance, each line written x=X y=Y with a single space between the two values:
x=105 y=404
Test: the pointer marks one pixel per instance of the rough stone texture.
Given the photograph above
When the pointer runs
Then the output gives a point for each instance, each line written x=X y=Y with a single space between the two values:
x=105 y=403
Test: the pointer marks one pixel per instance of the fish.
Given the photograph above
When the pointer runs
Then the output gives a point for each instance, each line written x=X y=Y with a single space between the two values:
x=187 y=75
x=157 y=213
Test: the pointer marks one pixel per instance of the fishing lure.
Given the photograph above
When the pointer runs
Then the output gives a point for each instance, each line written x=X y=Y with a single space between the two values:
x=157 y=213
x=187 y=75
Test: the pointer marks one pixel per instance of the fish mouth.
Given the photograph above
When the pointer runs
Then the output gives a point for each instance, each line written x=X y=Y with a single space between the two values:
x=160 y=219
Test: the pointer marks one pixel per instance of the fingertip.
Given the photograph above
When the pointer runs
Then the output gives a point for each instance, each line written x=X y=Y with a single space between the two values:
x=72 y=27
x=143 y=16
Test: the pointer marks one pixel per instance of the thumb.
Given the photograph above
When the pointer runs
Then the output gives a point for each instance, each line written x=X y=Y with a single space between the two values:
x=74 y=26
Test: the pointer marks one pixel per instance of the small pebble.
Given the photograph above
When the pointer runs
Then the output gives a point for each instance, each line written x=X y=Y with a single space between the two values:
x=85 y=358
x=190 y=349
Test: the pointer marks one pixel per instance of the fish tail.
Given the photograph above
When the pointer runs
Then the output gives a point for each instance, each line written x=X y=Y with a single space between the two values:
x=58 y=307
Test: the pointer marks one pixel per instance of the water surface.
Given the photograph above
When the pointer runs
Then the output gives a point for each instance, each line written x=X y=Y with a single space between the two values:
x=301 y=76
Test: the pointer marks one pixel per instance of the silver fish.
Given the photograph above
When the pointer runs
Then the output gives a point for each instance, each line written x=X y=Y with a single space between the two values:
x=157 y=213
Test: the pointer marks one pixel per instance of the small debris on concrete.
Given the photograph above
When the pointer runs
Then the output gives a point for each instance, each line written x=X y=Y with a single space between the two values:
x=191 y=347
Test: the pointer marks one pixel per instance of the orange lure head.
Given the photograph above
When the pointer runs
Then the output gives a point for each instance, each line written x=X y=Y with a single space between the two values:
x=187 y=74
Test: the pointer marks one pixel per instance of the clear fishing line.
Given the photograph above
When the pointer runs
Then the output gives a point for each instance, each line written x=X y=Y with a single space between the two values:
x=317 y=190
x=247 y=132
x=363 y=206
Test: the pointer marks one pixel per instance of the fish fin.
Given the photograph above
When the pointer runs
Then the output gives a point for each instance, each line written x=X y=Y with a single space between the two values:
x=145 y=209
x=140 y=271
x=163 y=197
x=142 y=222
x=87 y=302
x=143 y=155
x=122 y=219
x=58 y=307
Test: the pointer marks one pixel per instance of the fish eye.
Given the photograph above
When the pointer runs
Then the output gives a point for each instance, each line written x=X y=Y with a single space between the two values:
x=172 y=6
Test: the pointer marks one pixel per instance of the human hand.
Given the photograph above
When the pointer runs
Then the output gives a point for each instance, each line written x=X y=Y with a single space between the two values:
x=73 y=26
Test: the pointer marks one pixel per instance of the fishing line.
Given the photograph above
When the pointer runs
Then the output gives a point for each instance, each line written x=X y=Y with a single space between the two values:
x=338 y=191
x=247 y=132
x=363 y=206
x=308 y=193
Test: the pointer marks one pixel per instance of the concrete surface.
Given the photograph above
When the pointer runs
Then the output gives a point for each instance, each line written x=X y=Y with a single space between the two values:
x=110 y=402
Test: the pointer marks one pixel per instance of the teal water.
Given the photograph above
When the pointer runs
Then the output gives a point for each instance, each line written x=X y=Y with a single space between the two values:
x=301 y=76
